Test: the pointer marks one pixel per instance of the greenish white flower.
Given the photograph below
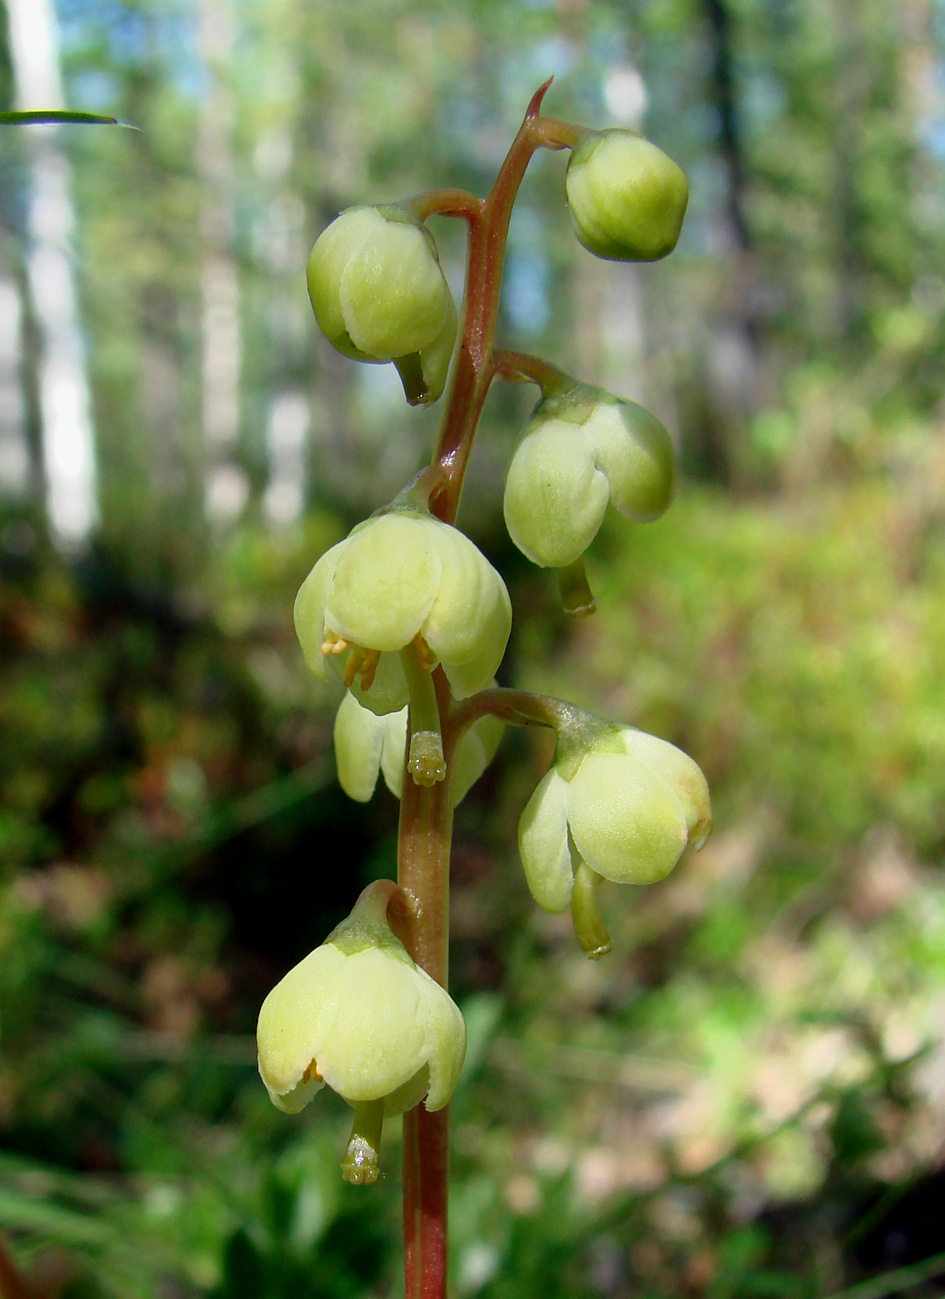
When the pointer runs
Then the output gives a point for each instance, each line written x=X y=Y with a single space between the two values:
x=403 y=580
x=626 y=806
x=359 y=1016
x=366 y=744
x=578 y=453
x=379 y=294
x=627 y=198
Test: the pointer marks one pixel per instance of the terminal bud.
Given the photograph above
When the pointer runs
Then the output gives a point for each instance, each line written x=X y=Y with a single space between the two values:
x=627 y=198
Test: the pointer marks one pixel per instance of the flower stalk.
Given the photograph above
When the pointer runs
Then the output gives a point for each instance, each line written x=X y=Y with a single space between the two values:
x=414 y=620
x=424 y=838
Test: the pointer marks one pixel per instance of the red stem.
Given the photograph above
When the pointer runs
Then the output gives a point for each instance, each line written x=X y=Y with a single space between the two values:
x=426 y=814
x=474 y=367
x=426 y=824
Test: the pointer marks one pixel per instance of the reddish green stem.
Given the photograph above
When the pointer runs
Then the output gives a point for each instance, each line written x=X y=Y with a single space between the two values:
x=518 y=707
x=522 y=367
x=423 y=855
x=474 y=367
x=445 y=202
x=425 y=812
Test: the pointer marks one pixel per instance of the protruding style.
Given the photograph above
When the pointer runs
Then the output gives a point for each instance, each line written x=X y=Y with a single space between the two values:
x=367 y=745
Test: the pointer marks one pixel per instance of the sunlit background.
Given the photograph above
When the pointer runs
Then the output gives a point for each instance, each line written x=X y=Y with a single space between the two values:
x=747 y=1098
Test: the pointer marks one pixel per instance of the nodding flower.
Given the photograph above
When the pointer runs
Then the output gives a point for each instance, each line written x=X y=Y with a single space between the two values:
x=379 y=294
x=359 y=1016
x=617 y=804
x=401 y=594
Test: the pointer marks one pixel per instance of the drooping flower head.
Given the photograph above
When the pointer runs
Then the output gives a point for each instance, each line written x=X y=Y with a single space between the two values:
x=379 y=294
x=617 y=804
x=402 y=593
x=358 y=1015
x=581 y=450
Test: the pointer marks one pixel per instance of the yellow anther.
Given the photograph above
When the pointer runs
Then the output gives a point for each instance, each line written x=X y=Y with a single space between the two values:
x=311 y=1073
x=369 y=668
x=333 y=643
x=425 y=655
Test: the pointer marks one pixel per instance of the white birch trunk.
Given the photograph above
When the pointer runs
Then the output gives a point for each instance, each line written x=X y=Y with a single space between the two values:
x=225 y=484
x=14 y=454
x=68 y=439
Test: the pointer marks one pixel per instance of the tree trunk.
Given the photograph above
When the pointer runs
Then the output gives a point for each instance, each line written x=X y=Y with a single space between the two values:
x=225 y=483
x=67 y=435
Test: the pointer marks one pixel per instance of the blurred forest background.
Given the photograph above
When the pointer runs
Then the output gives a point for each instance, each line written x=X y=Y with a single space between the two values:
x=747 y=1098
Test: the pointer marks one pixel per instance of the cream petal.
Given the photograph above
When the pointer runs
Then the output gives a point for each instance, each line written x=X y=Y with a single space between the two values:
x=636 y=453
x=626 y=821
x=543 y=844
x=295 y=1020
x=385 y=582
x=681 y=773
x=358 y=739
x=445 y=1031
x=333 y=249
x=393 y=294
x=309 y=611
x=377 y=1041
x=392 y=754
x=555 y=496
x=468 y=597
x=388 y=691
x=495 y=623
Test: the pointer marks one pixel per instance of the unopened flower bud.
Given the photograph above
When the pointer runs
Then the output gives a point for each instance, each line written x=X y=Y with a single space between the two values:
x=581 y=450
x=359 y=1015
x=379 y=294
x=619 y=802
x=627 y=198
x=366 y=744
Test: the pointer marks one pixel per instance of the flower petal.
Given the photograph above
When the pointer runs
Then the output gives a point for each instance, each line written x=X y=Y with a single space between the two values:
x=543 y=844
x=358 y=738
x=393 y=295
x=555 y=496
x=682 y=775
x=392 y=754
x=636 y=453
x=445 y=1043
x=469 y=600
x=626 y=821
x=377 y=1040
x=294 y=1022
x=385 y=582
x=326 y=264
x=309 y=612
